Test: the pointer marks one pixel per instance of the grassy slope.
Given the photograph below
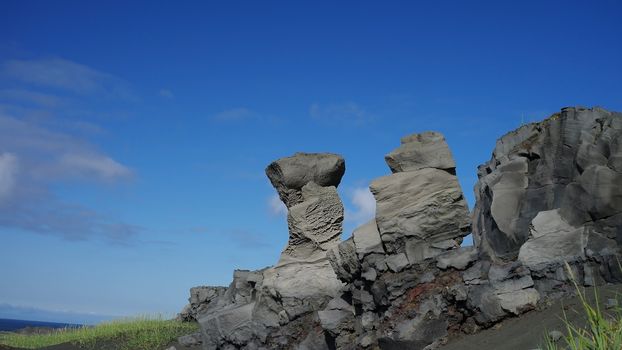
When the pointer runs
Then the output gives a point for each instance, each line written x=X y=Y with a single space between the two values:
x=144 y=333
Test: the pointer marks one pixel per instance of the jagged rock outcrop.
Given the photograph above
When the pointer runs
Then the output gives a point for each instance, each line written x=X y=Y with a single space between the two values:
x=570 y=162
x=419 y=286
x=277 y=307
x=200 y=299
x=549 y=208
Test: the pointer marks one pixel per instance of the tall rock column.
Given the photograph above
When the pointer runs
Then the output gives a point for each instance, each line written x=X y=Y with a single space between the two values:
x=420 y=209
x=307 y=185
x=399 y=267
x=276 y=308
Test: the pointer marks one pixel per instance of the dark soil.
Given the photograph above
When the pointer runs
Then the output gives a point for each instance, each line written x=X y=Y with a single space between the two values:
x=527 y=332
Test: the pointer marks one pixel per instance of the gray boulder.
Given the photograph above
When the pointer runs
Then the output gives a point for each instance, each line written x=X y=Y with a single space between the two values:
x=289 y=175
x=190 y=340
x=419 y=151
x=201 y=298
x=458 y=259
x=425 y=205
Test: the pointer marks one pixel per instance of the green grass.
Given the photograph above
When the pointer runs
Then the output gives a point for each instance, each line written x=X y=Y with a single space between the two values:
x=601 y=332
x=140 y=333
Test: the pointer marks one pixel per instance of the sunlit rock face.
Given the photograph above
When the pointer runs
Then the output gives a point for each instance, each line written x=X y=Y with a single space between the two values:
x=277 y=307
x=549 y=208
x=572 y=163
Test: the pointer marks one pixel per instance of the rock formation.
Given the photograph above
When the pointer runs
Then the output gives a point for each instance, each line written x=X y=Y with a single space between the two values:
x=551 y=195
x=277 y=306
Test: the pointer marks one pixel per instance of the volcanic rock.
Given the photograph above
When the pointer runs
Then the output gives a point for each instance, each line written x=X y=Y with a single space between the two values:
x=289 y=175
x=570 y=162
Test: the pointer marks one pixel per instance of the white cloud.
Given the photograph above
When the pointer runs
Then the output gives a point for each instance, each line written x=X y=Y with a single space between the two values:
x=42 y=145
x=33 y=97
x=8 y=170
x=39 y=157
x=364 y=206
x=276 y=206
x=348 y=113
x=95 y=165
x=67 y=75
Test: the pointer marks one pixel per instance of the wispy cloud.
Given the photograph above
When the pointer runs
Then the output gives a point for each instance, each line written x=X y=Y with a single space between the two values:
x=234 y=115
x=364 y=205
x=33 y=158
x=276 y=207
x=31 y=97
x=66 y=75
x=8 y=170
x=41 y=112
x=349 y=113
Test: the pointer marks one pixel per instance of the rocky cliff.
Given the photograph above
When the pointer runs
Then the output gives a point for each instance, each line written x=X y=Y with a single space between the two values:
x=550 y=195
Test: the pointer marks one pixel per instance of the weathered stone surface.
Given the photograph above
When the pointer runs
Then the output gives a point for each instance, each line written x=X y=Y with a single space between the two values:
x=234 y=325
x=457 y=259
x=315 y=224
x=426 y=205
x=367 y=239
x=189 y=340
x=569 y=161
x=289 y=175
x=397 y=262
x=336 y=314
x=419 y=151
x=301 y=287
x=552 y=241
x=200 y=299
x=344 y=261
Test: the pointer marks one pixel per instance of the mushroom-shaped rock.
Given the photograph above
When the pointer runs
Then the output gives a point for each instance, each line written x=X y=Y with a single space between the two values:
x=289 y=175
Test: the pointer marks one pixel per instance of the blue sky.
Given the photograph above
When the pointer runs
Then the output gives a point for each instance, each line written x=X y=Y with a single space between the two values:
x=134 y=137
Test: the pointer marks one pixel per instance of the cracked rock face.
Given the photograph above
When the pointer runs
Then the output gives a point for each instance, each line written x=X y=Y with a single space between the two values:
x=570 y=162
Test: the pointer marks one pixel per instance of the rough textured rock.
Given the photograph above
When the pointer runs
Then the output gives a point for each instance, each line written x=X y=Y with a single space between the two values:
x=425 y=205
x=419 y=151
x=277 y=307
x=289 y=175
x=548 y=211
x=200 y=299
x=570 y=162
x=189 y=340
x=315 y=224
x=552 y=241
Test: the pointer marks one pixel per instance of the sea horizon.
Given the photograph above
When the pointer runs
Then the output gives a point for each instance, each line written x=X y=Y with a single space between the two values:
x=11 y=325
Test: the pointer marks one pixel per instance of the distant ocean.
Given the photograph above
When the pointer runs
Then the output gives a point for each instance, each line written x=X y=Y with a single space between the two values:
x=13 y=325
